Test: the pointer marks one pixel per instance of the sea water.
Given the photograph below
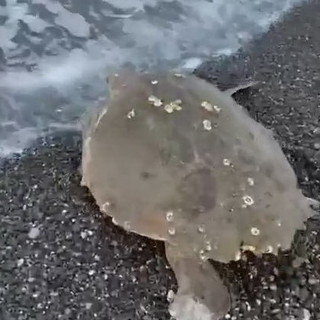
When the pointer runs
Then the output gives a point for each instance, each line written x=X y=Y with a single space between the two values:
x=54 y=55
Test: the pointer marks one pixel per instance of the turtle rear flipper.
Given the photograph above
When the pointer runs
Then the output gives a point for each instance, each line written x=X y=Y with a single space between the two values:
x=201 y=293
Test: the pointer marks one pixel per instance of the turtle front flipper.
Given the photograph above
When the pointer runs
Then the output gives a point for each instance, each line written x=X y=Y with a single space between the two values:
x=244 y=85
x=201 y=293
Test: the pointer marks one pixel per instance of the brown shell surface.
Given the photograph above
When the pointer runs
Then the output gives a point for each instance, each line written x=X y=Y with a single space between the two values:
x=174 y=158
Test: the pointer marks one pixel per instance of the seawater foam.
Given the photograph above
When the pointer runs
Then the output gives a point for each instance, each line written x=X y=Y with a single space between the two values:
x=68 y=50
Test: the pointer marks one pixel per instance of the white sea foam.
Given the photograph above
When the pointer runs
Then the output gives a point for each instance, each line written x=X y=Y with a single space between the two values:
x=74 y=51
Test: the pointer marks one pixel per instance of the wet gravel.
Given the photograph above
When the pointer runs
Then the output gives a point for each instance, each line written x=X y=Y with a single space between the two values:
x=60 y=259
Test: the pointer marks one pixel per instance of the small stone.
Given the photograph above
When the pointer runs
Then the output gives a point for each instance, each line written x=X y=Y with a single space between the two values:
x=297 y=262
x=179 y=75
x=248 y=306
x=83 y=234
x=88 y=305
x=34 y=233
x=207 y=125
x=170 y=296
x=67 y=311
x=154 y=82
x=313 y=281
x=317 y=145
x=273 y=287
x=91 y=272
x=201 y=229
x=306 y=314
x=20 y=262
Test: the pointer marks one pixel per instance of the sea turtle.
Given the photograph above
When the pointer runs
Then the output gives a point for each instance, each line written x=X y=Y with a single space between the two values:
x=173 y=158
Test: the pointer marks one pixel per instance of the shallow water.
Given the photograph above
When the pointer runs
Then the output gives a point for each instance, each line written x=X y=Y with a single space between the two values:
x=54 y=55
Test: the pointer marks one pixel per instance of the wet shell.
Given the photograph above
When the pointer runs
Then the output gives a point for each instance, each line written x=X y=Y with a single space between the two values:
x=166 y=156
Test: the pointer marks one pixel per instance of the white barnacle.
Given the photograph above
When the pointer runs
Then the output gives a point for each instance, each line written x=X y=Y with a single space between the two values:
x=237 y=256
x=131 y=114
x=169 y=216
x=169 y=108
x=170 y=296
x=255 y=231
x=269 y=249
x=248 y=201
x=216 y=108
x=172 y=231
x=207 y=124
x=202 y=255
x=207 y=106
x=127 y=225
x=248 y=248
x=208 y=246
x=154 y=82
x=173 y=106
x=105 y=207
x=201 y=228
x=226 y=162
x=250 y=181
x=155 y=101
